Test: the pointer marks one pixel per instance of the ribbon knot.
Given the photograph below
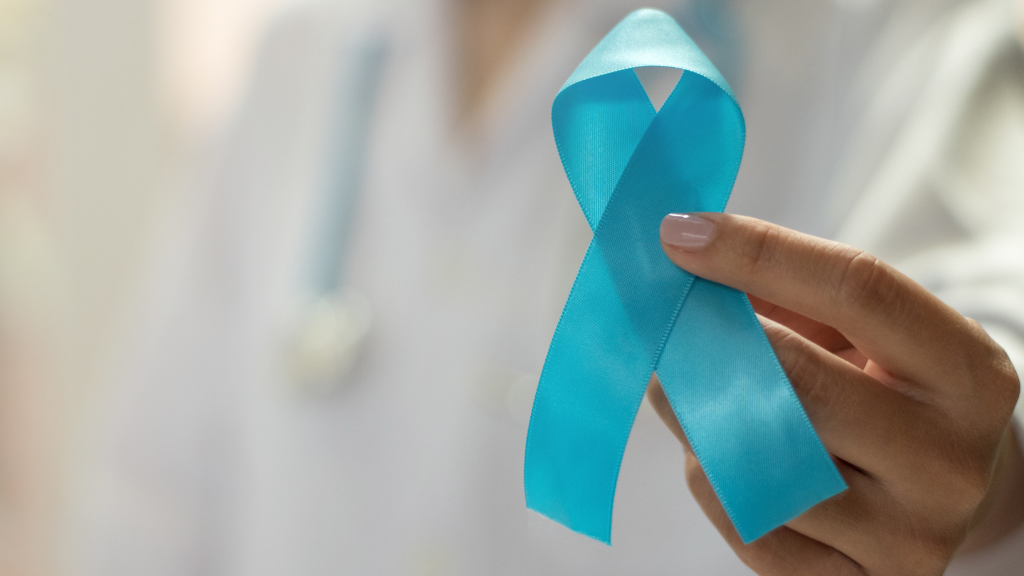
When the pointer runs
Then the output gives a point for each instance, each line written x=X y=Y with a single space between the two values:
x=631 y=311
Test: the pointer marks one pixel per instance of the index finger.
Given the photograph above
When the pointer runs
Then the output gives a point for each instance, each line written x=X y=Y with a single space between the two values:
x=821 y=334
x=882 y=312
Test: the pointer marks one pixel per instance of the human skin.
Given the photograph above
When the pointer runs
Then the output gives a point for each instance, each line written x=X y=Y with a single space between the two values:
x=488 y=35
x=912 y=400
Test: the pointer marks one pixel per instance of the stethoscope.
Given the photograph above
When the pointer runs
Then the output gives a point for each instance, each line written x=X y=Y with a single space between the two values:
x=335 y=319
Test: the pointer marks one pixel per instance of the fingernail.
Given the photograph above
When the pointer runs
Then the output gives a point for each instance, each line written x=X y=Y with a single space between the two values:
x=686 y=231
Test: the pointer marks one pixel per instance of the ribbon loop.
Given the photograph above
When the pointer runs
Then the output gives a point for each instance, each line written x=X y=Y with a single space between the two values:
x=631 y=311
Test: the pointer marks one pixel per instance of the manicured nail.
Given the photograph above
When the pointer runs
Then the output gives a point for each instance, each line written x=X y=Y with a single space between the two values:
x=686 y=231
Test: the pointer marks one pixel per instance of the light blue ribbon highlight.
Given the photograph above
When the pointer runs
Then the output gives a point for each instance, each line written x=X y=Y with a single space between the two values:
x=631 y=311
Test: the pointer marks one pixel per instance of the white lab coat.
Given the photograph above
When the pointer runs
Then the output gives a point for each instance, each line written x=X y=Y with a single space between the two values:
x=215 y=464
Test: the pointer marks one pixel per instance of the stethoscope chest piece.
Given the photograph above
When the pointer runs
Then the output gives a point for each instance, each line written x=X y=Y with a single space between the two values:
x=327 y=341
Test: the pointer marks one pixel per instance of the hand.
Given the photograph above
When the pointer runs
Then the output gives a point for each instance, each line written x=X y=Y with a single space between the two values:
x=912 y=400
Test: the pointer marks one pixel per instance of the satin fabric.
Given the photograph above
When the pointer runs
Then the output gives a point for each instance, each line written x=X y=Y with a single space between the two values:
x=629 y=166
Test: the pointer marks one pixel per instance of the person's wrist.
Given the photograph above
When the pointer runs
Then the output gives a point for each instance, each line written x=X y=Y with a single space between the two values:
x=1002 y=510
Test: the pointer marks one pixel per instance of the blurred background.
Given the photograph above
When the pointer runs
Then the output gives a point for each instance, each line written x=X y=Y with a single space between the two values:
x=105 y=106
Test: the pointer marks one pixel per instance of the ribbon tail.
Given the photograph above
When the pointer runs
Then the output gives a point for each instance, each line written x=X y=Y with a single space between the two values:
x=740 y=414
x=592 y=384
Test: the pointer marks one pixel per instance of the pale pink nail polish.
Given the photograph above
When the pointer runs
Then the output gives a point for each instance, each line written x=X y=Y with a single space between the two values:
x=686 y=231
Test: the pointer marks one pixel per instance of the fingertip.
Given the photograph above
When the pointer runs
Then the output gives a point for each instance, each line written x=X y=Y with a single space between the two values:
x=687 y=232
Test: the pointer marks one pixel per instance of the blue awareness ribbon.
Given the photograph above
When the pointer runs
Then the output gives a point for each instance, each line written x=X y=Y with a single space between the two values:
x=631 y=311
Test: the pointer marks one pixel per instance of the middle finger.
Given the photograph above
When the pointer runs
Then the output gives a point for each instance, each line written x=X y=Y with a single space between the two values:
x=859 y=419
